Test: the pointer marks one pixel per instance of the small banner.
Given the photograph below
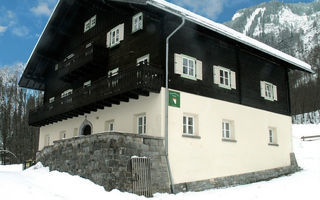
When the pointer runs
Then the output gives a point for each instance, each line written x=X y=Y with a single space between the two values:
x=174 y=99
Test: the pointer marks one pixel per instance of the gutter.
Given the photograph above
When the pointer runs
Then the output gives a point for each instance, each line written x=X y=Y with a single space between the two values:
x=167 y=101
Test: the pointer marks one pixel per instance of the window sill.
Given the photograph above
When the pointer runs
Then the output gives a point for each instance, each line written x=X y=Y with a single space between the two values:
x=114 y=45
x=225 y=87
x=269 y=99
x=228 y=140
x=272 y=144
x=189 y=77
x=191 y=136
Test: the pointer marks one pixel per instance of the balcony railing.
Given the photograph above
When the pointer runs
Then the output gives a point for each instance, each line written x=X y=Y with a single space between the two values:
x=103 y=92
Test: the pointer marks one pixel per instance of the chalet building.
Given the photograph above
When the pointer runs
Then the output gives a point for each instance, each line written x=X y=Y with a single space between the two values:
x=102 y=67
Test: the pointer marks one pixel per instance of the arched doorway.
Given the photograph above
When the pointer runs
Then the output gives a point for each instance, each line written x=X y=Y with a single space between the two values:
x=86 y=128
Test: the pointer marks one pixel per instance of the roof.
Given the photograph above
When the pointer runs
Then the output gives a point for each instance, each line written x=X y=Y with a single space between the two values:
x=36 y=64
x=226 y=31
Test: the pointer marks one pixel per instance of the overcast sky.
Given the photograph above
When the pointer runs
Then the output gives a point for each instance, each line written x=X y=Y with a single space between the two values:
x=22 y=21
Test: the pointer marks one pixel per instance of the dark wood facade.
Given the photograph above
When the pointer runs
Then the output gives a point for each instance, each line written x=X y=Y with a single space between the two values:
x=93 y=63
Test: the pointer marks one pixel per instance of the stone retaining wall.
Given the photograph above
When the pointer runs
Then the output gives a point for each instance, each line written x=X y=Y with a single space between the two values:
x=105 y=159
x=240 y=179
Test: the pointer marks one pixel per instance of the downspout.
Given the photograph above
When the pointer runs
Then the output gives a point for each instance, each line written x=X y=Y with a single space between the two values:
x=167 y=101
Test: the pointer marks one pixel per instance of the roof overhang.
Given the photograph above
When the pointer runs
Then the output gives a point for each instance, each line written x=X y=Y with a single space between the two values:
x=228 y=32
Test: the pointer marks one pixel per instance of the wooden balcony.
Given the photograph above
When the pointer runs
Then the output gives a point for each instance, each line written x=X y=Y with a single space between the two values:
x=138 y=80
x=87 y=59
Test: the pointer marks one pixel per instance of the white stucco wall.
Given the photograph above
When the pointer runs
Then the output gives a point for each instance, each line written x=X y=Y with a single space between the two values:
x=123 y=116
x=194 y=159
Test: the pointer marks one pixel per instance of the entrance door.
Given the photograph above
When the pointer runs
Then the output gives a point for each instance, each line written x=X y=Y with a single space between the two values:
x=86 y=130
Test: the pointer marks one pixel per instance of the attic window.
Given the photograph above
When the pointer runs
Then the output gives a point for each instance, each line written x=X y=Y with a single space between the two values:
x=89 y=24
x=137 y=22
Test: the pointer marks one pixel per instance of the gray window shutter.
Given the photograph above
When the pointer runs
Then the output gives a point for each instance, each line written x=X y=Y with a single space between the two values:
x=199 y=69
x=108 y=39
x=216 y=75
x=263 y=89
x=275 y=93
x=233 y=80
x=121 y=32
x=178 y=68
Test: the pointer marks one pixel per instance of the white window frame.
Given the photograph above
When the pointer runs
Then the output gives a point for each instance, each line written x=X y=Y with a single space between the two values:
x=90 y=23
x=137 y=22
x=225 y=79
x=144 y=59
x=226 y=129
x=51 y=100
x=142 y=128
x=63 y=135
x=186 y=125
x=268 y=91
x=47 y=140
x=272 y=136
x=66 y=93
x=87 y=84
x=188 y=68
x=109 y=125
x=115 y=36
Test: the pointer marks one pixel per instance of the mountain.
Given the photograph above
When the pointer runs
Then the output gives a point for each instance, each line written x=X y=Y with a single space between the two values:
x=293 y=28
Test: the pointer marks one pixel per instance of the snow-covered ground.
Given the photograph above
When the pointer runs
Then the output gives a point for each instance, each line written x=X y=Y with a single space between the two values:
x=38 y=183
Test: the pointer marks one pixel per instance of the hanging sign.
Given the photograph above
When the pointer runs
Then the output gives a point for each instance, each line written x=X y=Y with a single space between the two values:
x=174 y=99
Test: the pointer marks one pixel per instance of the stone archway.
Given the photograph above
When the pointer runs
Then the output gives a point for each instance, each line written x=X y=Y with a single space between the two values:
x=85 y=128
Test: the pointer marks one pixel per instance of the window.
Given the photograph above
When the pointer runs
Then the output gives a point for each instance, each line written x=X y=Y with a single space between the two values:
x=272 y=135
x=75 y=132
x=109 y=126
x=141 y=124
x=89 y=24
x=187 y=67
x=137 y=22
x=51 y=100
x=115 y=36
x=224 y=77
x=87 y=84
x=268 y=91
x=46 y=140
x=228 y=131
x=63 y=135
x=56 y=67
x=66 y=93
x=143 y=59
x=188 y=125
x=113 y=73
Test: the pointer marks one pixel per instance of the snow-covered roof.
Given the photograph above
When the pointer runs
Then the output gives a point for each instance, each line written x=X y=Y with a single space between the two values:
x=226 y=31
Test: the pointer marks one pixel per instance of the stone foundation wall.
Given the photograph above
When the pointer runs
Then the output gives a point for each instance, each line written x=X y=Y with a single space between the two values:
x=105 y=159
x=240 y=179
